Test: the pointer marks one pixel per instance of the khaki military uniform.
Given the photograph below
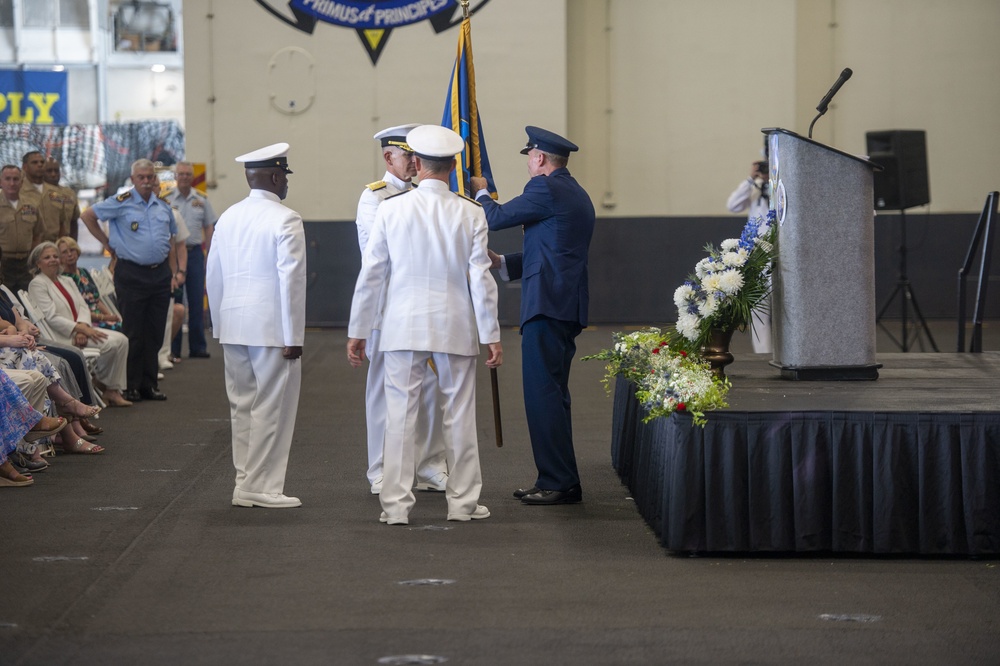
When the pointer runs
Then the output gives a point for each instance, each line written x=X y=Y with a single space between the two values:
x=18 y=230
x=70 y=210
x=52 y=202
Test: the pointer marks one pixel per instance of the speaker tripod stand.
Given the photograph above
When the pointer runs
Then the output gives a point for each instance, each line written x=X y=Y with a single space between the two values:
x=904 y=291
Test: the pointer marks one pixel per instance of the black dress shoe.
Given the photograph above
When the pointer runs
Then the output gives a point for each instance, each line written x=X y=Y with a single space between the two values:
x=132 y=395
x=152 y=394
x=521 y=492
x=543 y=497
x=199 y=354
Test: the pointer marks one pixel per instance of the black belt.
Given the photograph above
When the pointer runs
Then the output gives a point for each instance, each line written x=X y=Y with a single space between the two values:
x=137 y=265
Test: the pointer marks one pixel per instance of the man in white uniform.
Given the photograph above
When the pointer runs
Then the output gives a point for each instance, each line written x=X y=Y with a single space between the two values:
x=432 y=468
x=427 y=250
x=256 y=279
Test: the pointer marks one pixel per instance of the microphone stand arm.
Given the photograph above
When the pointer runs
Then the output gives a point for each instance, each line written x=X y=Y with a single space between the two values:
x=818 y=116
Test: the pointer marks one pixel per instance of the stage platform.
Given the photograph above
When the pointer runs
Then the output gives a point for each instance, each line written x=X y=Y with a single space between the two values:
x=907 y=464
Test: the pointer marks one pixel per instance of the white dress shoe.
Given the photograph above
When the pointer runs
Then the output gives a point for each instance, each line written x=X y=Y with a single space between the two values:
x=480 y=513
x=437 y=483
x=384 y=518
x=166 y=365
x=377 y=486
x=266 y=500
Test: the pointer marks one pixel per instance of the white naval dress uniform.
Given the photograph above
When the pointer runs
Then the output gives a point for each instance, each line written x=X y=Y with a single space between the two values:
x=430 y=454
x=429 y=246
x=256 y=281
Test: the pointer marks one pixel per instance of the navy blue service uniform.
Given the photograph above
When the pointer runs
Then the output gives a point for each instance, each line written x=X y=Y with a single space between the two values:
x=558 y=218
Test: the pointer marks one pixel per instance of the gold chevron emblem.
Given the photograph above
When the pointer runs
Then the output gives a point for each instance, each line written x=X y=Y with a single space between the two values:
x=373 y=37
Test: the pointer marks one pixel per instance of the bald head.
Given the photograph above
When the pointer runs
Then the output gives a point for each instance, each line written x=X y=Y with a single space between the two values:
x=269 y=179
x=53 y=171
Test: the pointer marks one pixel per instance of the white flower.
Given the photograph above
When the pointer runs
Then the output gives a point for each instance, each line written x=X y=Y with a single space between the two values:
x=708 y=307
x=736 y=258
x=703 y=268
x=730 y=282
x=730 y=244
x=682 y=295
x=710 y=282
x=687 y=325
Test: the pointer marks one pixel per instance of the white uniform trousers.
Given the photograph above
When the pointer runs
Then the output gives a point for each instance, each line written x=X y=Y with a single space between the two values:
x=430 y=455
x=405 y=373
x=263 y=389
x=163 y=357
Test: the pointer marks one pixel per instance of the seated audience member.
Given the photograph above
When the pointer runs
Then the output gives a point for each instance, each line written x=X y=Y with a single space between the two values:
x=100 y=314
x=69 y=361
x=18 y=419
x=32 y=384
x=68 y=315
x=18 y=352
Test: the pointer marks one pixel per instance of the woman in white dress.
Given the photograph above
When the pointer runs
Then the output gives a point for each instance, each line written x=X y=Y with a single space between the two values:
x=59 y=302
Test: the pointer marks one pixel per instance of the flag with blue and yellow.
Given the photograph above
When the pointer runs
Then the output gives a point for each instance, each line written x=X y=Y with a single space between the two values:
x=461 y=114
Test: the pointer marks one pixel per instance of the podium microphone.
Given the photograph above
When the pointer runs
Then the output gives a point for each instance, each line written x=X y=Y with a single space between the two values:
x=825 y=102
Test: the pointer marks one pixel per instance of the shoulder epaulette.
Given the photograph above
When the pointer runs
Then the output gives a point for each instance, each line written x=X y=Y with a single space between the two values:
x=470 y=199
x=377 y=185
x=398 y=194
x=124 y=196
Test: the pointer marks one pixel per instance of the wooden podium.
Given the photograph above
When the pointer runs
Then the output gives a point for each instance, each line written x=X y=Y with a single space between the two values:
x=823 y=300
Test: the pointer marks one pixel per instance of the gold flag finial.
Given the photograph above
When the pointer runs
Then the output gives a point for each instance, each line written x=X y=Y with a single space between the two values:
x=465 y=8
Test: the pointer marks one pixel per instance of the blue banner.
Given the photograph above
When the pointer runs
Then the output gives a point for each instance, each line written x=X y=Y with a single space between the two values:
x=33 y=98
x=379 y=15
x=461 y=114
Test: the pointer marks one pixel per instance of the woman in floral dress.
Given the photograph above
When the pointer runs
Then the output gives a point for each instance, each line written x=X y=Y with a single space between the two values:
x=18 y=420
x=18 y=352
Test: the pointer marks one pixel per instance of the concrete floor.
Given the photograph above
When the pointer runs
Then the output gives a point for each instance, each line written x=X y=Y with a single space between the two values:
x=137 y=557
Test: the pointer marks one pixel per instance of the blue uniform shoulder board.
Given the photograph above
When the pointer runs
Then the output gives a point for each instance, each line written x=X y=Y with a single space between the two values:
x=377 y=185
x=124 y=196
x=397 y=194
x=470 y=199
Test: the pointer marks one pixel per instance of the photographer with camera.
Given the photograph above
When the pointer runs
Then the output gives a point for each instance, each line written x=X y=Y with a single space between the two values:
x=753 y=193
x=753 y=196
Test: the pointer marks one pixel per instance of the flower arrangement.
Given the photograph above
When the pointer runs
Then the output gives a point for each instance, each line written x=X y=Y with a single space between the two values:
x=726 y=287
x=667 y=380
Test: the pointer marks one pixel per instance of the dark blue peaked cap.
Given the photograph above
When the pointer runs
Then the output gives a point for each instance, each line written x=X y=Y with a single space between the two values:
x=548 y=142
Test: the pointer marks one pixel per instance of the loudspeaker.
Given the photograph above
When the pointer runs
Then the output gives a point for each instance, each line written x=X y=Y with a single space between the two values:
x=903 y=156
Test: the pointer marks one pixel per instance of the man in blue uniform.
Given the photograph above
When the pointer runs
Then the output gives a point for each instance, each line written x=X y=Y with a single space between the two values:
x=141 y=231
x=558 y=221
x=200 y=218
